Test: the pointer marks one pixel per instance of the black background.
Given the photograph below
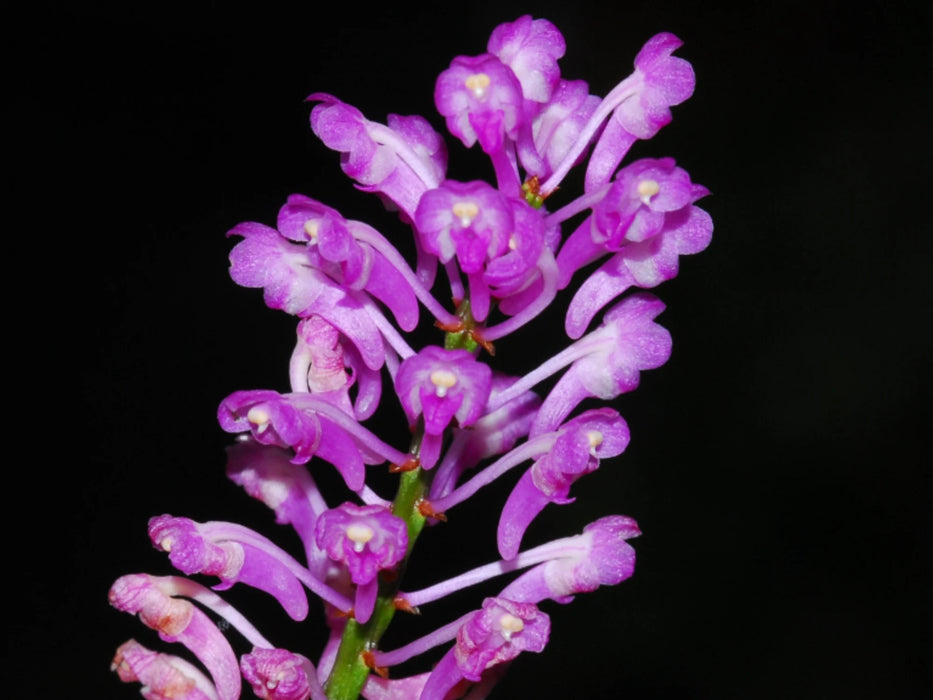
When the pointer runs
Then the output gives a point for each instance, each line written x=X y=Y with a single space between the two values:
x=778 y=464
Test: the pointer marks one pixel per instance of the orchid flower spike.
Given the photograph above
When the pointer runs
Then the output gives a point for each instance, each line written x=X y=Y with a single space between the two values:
x=358 y=300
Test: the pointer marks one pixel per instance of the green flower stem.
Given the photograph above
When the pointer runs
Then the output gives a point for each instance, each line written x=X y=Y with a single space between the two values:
x=349 y=674
x=462 y=339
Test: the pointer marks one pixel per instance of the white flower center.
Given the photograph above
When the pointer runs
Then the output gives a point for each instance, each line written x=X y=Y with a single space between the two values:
x=477 y=84
x=510 y=625
x=311 y=228
x=465 y=212
x=596 y=439
x=166 y=544
x=360 y=534
x=647 y=189
x=258 y=417
x=442 y=380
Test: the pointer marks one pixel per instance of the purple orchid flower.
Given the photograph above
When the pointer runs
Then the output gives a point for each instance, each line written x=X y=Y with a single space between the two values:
x=399 y=161
x=659 y=82
x=482 y=101
x=639 y=105
x=266 y=259
x=161 y=675
x=278 y=674
x=334 y=247
x=367 y=540
x=647 y=220
x=531 y=48
x=644 y=263
x=469 y=220
x=441 y=386
x=556 y=128
x=495 y=634
x=323 y=365
x=218 y=549
x=609 y=360
x=301 y=422
x=497 y=241
x=179 y=620
x=601 y=556
x=579 y=446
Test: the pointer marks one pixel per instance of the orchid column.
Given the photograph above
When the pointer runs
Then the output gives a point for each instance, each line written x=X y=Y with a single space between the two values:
x=505 y=254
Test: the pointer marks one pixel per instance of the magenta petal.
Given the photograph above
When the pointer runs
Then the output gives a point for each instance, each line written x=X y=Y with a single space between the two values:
x=609 y=151
x=438 y=411
x=578 y=250
x=388 y=286
x=264 y=572
x=672 y=77
x=602 y=286
x=264 y=258
x=377 y=688
x=365 y=601
x=693 y=232
x=443 y=678
x=530 y=47
x=521 y=507
x=342 y=451
x=430 y=452
x=612 y=558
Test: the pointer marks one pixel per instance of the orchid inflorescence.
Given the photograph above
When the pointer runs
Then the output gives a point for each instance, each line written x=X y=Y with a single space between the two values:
x=505 y=258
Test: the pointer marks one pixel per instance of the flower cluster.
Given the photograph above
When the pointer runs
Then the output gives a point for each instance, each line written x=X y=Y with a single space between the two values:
x=505 y=256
